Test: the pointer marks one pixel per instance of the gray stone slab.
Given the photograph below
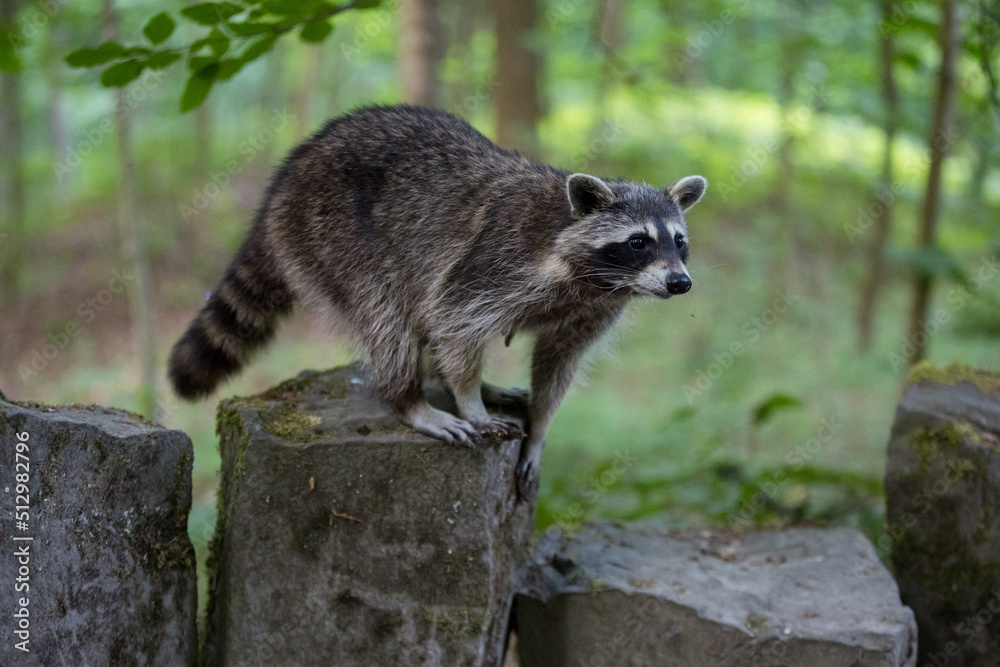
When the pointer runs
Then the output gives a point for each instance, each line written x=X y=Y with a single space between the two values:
x=109 y=574
x=633 y=594
x=942 y=487
x=346 y=538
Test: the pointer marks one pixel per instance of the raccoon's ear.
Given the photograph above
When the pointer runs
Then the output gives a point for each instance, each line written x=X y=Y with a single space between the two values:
x=587 y=194
x=687 y=191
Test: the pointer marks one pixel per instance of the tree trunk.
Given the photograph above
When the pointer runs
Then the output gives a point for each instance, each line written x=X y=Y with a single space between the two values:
x=938 y=141
x=56 y=112
x=421 y=49
x=134 y=237
x=459 y=92
x=12 y=168
x=303 y=98
x=608 y=35
x=517 y=67
x=788 y=71
x=886 y=198
x=203 y=143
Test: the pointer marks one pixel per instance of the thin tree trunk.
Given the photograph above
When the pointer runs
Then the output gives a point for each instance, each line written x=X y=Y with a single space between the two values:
x=883 y=219
x=517 y=67
x=420 y=52
x=608 y=34
x=786 y=148
x=58 y=134
x=134 y=236
x=303 y=99
x=14 y=208
x=203 y=143
x=460 y=46
x=938 y=142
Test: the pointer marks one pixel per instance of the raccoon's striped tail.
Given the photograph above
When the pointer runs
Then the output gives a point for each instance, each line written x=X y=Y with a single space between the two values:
x=241 y=315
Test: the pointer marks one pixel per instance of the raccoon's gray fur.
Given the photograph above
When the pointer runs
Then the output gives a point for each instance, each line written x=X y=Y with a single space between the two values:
x=418 y=232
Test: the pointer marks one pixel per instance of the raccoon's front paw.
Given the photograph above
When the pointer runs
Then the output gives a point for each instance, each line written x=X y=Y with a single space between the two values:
x=441 y=425
x=506 y=429
x=527 y=474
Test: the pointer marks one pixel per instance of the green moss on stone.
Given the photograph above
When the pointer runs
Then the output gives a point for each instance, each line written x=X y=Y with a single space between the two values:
x=756 y=623
x=289 y=423
x=987 y=382
x=947 y=440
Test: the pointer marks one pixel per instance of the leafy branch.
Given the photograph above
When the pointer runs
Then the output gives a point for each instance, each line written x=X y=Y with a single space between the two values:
x=237 y=34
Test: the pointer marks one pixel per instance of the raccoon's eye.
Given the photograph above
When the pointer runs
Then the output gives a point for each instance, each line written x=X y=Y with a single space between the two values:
x=679 y=240
x=637 y=243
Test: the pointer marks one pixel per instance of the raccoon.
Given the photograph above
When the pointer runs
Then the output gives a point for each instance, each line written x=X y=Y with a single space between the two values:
x=422 y=235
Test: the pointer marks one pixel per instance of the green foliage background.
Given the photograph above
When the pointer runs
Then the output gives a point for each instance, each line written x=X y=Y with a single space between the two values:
x=744 y=403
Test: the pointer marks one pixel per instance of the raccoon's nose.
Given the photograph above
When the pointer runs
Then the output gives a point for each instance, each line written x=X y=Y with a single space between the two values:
x=678 y=283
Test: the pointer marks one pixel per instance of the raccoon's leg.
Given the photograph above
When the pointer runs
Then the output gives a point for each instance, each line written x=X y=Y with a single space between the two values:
x=554 y=361
x=460 y=363
x=396 y=360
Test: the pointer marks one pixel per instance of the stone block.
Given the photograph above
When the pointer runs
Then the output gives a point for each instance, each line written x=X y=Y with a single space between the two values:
x=346 y=538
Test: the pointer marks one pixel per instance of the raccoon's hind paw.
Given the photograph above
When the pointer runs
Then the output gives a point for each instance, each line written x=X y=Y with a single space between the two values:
x=507 y=429
x=441 y=425
x=527 y=474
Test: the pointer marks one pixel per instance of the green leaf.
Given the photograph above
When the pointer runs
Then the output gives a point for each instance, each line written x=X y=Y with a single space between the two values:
x=773 y=404
x=366 y=4
x=315 y=31
x=162 y=60
x=198 y=86
x=909 y=59
x=249 y=28
x=210 y=13
x=159 y=28
x=121 y=73
x=9 y=61
x=931 y=262
x=258 y=48
x=198 y=63
x=228 y=67
x=97 y=56
x=302 y=8
x=218 y=42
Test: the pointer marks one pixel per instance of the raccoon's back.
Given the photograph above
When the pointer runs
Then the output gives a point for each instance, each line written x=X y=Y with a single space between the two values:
x=395 y=194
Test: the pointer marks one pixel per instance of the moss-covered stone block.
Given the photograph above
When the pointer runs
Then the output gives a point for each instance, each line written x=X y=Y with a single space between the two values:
x=95 y=562
x=346 y=538
x=943 y=511
x=633 y=594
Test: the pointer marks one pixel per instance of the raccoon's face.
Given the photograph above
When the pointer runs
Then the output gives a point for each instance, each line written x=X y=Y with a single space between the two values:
x=631 y=237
